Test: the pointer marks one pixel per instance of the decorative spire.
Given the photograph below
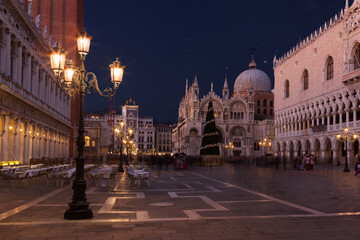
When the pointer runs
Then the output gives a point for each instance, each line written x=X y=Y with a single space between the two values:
x=186 y=86
x=252 y=63
x=225 y=83
x=346 y=4
x=212 y=87
x=195 y=83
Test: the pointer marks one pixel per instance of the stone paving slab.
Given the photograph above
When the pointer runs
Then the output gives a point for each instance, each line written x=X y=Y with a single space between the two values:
x=230 y=202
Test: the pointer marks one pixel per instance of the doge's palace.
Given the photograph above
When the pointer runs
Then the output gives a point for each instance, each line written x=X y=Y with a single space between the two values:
x=317 y=90
x=34 y=111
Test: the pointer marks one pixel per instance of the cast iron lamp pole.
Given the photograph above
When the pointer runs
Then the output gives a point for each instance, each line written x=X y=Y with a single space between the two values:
x=346 y=138
x=120 y=133
x=76 y=81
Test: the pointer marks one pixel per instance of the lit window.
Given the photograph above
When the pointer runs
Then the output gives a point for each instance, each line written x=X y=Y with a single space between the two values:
x=87 y=141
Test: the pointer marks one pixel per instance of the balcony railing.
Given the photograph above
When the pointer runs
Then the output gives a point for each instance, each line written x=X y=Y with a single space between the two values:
x=352 y=77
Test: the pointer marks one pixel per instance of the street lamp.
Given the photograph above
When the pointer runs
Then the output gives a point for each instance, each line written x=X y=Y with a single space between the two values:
x=346 y=137
x=129 y=142
x=120 y=135
x=229 y=146
x=265 y=143
x=79 y=81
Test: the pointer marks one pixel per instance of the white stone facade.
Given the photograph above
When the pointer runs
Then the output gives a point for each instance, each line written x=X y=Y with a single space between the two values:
x=34 y=111
x=317 y=91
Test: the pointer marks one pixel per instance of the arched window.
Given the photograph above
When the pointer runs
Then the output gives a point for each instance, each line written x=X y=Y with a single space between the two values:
x=306 y=79
x=357 y=57
x=271 y=103
x=265 y=103
x=264 y=112
x=287 y=89
x=329 y=68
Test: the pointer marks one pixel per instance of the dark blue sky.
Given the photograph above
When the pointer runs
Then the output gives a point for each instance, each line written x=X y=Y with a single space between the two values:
x=161 y=42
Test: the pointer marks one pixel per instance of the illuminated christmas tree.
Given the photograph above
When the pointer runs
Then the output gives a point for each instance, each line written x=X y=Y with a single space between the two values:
x=210 y=140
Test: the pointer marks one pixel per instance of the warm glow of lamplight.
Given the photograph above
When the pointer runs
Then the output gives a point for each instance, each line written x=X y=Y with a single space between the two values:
x=338 y=136
x=117 y=130
x=83 y=43
x=122 y=123
x=21 y=130
x=346 y=130
x=29 y=132
x=355 y=136
x=124 y=141
x=10 y=127
x=69 y=72
x=117 y=72
x=130 y=131
x=57 y=60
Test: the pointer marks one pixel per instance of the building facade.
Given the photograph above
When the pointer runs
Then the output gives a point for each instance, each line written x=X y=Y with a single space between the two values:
x=317 y=90
x=237 y=116
x=98 y=136
x=34 y=111
x=163 y=139
x=59 y=22
x=142 y=128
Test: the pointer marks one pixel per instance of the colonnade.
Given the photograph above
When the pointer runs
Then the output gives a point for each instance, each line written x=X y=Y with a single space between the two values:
x=23 y=139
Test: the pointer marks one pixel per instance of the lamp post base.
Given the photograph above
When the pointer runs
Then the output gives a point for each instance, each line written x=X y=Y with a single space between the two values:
x=346 y=169
x=78 y=212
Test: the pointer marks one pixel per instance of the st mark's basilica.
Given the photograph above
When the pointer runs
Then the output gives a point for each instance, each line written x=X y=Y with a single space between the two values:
x=243 y=118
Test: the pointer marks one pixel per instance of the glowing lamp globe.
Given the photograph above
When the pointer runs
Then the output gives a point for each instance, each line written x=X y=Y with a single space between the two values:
x=57 y=61
x=69 y=72
x=117 y=72
x=83 y=43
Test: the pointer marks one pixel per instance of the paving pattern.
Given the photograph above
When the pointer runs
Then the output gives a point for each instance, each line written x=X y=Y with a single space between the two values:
x=230 y=202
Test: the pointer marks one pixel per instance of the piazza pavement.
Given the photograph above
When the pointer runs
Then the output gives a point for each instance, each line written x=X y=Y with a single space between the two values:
x=229 y=202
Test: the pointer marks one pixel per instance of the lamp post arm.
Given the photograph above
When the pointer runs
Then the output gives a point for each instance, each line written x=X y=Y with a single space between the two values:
x=93 y=83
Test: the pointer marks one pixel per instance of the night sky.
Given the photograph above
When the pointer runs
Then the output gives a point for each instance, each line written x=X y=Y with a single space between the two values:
x=161 y=42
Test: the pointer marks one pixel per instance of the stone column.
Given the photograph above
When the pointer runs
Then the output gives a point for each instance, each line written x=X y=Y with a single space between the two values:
x=35 y=142
x=28 y=72
x=7 y=60
x=347 y=117
x=17 y=140
x=288 y=156
x=323 y=156
x=354 y=115
x=5 y=140
x=19 y=63
x=282 y=155
x=27 y=137
x=335 y=156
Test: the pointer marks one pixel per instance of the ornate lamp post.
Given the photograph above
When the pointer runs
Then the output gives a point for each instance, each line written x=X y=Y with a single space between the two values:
x=346 y=137
x=265 y=143
x=79 y=81
x=229 y=146
x=120 y=135
x=128 y=143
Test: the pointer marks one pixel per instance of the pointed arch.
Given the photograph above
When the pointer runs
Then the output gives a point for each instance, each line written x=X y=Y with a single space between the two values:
x=329 y=68
x=305 y=80
x=287 y=89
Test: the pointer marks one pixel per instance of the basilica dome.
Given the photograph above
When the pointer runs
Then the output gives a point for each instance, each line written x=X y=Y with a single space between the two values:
x=252 y=79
